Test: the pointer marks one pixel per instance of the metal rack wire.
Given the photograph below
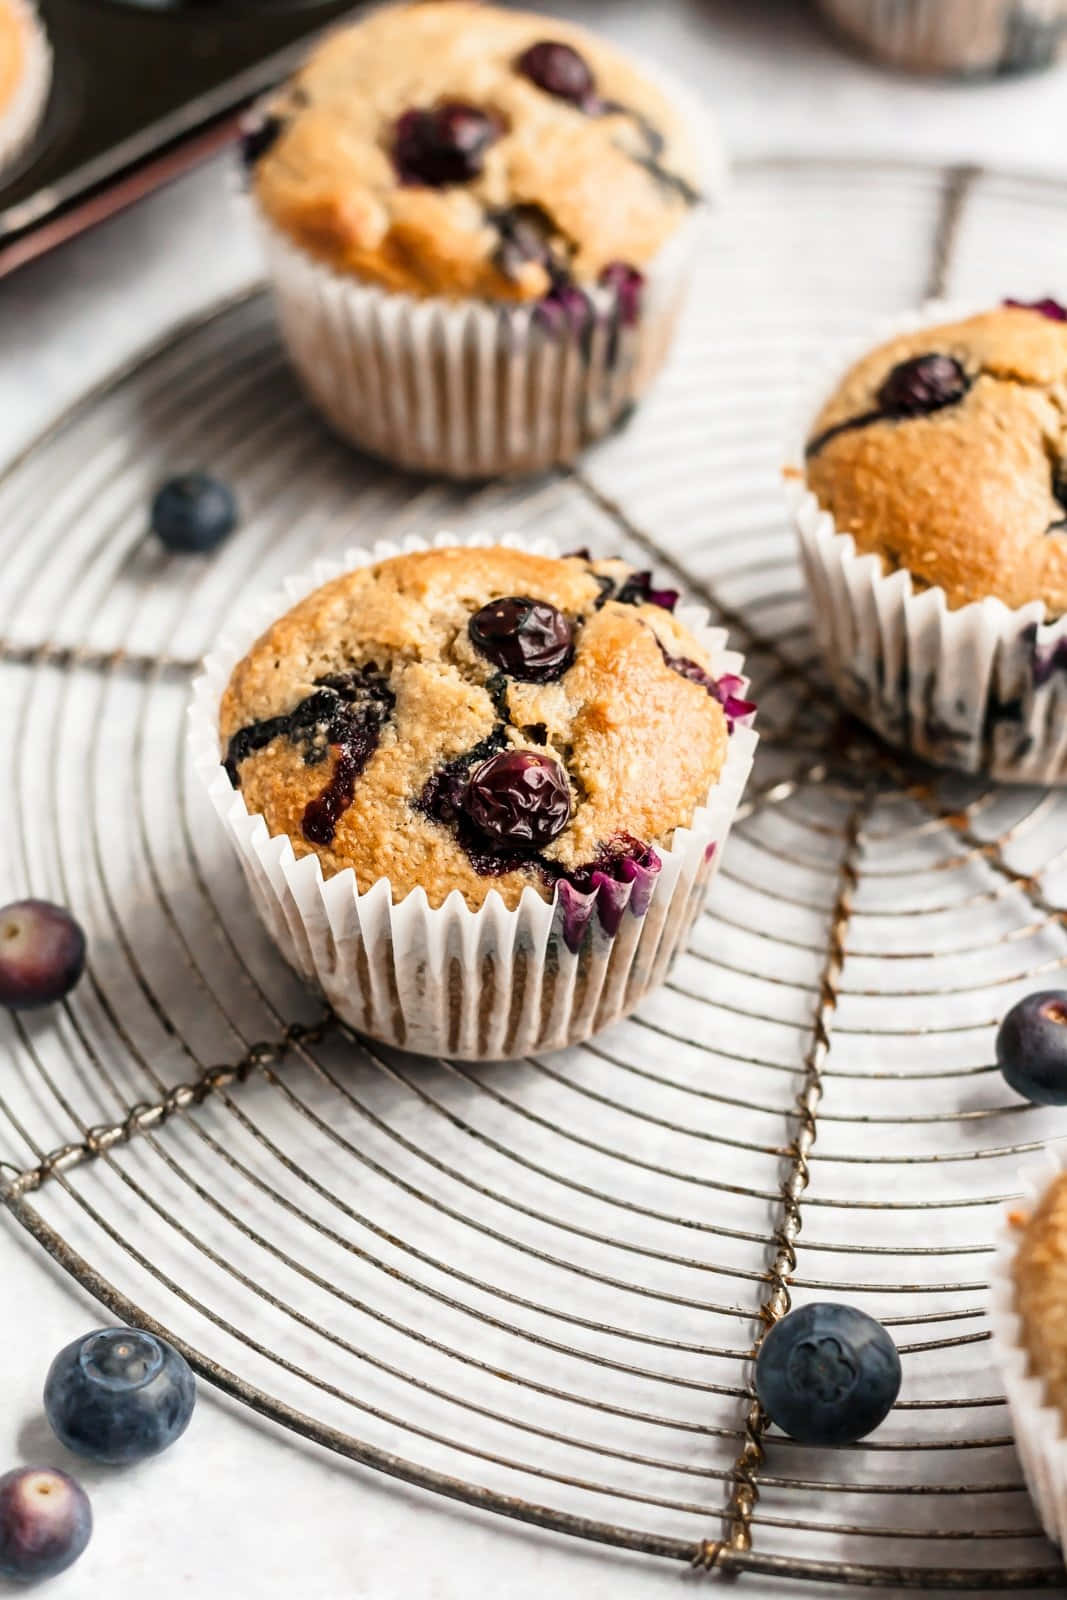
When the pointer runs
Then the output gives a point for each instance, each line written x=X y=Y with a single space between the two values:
x=535 y=1287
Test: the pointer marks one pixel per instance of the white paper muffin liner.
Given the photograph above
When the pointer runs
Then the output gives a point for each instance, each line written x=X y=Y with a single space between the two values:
x=487 y=984
x=958 y=37
x=476 y=389
x=981 y=688
x=19 y=118
x=1040 y=1434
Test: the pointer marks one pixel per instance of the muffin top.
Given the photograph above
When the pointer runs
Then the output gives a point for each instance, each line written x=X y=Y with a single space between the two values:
x=1040 y=1275
x=453 y=149
x=478 y=719
x=945 y=452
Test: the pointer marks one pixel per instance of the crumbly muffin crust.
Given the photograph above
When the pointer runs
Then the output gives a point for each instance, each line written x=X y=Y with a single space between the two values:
x=971 y=496
x=639 y=742
x=1040 y=1275
x=607 y=182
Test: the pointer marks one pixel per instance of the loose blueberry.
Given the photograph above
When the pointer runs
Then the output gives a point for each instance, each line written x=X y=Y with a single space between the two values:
x=42 y=954
x=827 y=1374
x=559 y=70
x=45 y=1523
x=628 y=285
x=529 y=639
x=1032 y=1047
x=924 y=384
x=119 y=1395
x=1046 y=308
x=519 y=798
x=444 y=145
x=193 y=513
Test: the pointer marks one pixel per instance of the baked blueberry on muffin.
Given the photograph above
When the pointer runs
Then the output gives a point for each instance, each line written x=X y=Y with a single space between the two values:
x=25 y=72
x=534 y=744
x=481 y=193
x=934 y=534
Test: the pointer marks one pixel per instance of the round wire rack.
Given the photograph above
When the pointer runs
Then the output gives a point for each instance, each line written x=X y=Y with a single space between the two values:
x=535 y=1287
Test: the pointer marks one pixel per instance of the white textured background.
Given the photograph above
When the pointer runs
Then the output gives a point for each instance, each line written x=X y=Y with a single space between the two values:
x=237 y=1510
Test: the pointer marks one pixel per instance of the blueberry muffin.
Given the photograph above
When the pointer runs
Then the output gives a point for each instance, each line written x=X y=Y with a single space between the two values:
x=1028 y=1300
x=945 y=453
x=479 y=792
x=459 y=198
x=25 y=71
x=933 y=522
x=958 y=38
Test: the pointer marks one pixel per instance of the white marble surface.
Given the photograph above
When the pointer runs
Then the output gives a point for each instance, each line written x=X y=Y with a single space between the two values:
x=237 y=1509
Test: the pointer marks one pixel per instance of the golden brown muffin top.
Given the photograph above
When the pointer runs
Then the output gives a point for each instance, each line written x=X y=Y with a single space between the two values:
x=404 y=702
x=364 y=164
x=13 y=34
x=954 y=466
x=1040 y=1275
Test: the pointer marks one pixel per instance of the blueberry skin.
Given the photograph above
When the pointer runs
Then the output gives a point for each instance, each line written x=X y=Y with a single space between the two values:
x=827 y=1374
x=193 y=513
x=42 y=954
x=119 y=1395
x=1032 y=1047
x=45 y=1523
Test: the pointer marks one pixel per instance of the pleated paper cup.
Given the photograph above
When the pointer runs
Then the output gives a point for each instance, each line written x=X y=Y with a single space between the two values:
x=981 y=688
x=1040 y=1433
x=955 y=37
x=20 y=117
x=495 y=983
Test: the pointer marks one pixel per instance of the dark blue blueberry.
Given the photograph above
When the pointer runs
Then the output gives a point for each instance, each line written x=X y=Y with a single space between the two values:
x=45 y=1523
x=637 y=590
x=925 y=383
x=42 y=954
x=1032 y=1047
x=119 y=1395
x=519 y=799
x=827 y=1374
x=193 y=513
x=559 y=70
x=443 y=145
x=529 y=639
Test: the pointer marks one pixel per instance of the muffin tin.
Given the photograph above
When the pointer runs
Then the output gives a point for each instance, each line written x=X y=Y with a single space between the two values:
x=141 y=90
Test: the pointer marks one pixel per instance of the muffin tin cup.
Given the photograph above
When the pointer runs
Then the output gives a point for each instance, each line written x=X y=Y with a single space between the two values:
x=1040 y=1436
x=495 y=983
x=981 y=688
x=958 y=38
x=19 y=119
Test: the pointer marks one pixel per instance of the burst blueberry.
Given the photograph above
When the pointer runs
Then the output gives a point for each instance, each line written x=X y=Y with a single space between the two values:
x=443 y=145
x=42 y=954
x=628 y=286
x=193 y=513
x=119 y=1395
x=1052 y=309
x=924 y=384
x=827 y=1374
x=45 y=1523
x=519 y=798
x=529 y=639
x=559 y=70
x=1032 y=1047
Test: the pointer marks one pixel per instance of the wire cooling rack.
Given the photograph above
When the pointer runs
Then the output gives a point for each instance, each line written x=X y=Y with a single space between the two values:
x=535 y=1287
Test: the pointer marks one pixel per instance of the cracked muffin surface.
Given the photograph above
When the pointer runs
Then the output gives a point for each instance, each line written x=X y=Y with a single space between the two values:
x=450 y=148
x=478 y=719
x=1040 y=1275
x=944 y=452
